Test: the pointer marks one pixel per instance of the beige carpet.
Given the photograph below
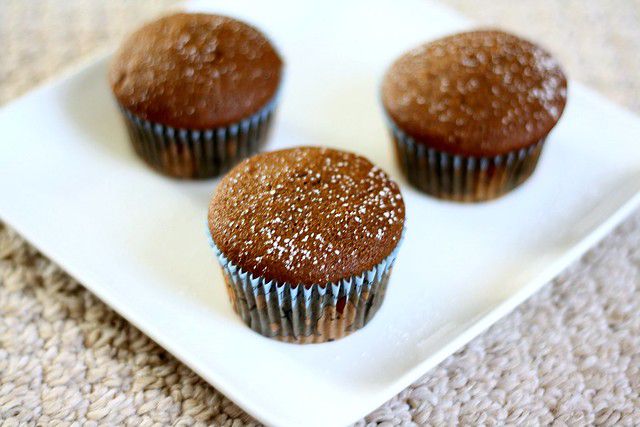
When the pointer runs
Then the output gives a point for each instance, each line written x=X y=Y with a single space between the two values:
x=569 y=356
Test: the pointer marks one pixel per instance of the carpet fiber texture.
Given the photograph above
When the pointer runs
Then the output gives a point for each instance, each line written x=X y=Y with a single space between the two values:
x=568 y=356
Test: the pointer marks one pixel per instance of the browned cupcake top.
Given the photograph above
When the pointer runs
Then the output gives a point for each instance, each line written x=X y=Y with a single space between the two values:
x=306 y=215
x=475 y=93
x=195 y=71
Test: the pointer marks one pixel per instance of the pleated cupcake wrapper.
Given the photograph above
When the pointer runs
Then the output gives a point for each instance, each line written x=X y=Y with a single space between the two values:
x=463 y=178
x=306 y=314
x=185 y=153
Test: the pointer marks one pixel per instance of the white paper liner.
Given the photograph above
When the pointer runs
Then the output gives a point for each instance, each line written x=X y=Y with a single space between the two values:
x=198 y=154
x=463 y=178
x=306 y=314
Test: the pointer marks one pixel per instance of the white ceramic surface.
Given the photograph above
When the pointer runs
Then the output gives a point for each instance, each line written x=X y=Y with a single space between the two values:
x=70 y=184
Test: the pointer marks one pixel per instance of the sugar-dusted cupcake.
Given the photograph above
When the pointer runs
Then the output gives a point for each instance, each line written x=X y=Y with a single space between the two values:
x=197 y=92
x=469 y=113
x=306 y=238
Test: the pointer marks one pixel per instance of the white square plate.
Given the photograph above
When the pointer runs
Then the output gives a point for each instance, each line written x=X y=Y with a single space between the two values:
x=72 y=186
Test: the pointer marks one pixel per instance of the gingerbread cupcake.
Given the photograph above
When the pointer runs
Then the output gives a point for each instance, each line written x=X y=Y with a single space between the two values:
x=197 y=91
x=306 y=238
x=470 y=113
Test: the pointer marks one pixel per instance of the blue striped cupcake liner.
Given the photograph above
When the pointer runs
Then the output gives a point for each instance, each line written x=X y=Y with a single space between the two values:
x=463 y=178
x=198 y=154
x=306 y=314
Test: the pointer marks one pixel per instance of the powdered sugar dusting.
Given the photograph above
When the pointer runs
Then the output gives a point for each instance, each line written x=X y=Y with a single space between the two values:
x=478 y=88
x=307 y=215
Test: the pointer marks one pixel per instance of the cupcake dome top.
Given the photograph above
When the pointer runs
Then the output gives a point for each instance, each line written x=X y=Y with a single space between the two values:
x=475 y=93
x=306 y=215
x=195 y=71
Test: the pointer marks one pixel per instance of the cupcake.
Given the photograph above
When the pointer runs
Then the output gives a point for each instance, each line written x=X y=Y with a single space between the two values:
x=306 y=238
x=470 y=113
x=197 y=92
